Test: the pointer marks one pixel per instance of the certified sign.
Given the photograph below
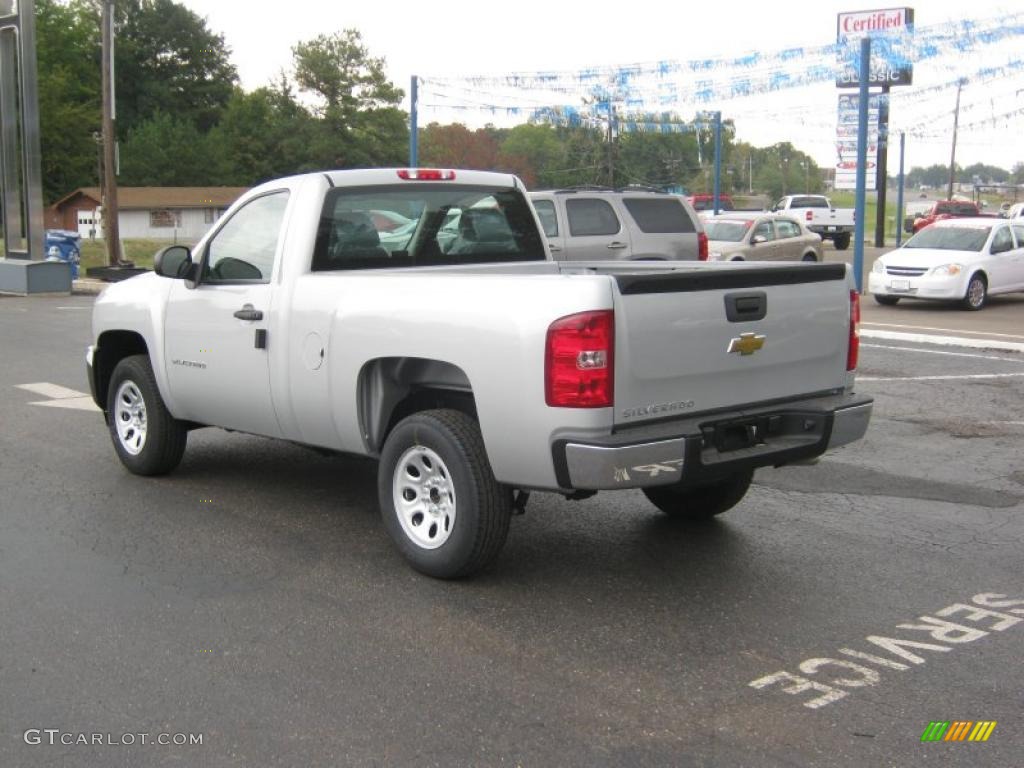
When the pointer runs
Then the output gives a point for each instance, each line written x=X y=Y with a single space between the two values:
x=884 y=69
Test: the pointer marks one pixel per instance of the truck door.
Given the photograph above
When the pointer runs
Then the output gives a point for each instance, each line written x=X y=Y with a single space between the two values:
x=216 y=333
x=595 y=230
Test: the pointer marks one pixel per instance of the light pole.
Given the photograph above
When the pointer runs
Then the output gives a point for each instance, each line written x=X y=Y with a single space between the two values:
x=807 y=176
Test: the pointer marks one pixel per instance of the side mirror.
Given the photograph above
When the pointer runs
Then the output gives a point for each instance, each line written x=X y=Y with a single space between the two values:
x=174 y=261
x=758 y=239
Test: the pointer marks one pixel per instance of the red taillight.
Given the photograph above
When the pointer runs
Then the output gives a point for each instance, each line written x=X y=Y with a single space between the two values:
x=579 y=370
x=853 y=351
x=809 y=215
x=702 y=246
x=425 y=174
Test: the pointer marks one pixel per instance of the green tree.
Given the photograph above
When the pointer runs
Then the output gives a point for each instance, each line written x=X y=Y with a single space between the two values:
x=1017 y=174
x=69 y=106
x=340 y=70
x=167 y=151
x=360 y=122
x=167 y=60
x=532 y=152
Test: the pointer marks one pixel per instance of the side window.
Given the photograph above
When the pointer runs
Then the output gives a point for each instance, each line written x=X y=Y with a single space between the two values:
x=659 y=215
x=1003 y=241
x=764 y=229
x=591 y=216
x=548 y=220
x=787 y=228
x=245 y=246
x=1018 y=230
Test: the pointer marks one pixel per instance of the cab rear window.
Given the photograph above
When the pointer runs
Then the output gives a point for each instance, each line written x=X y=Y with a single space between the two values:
x=659 y=215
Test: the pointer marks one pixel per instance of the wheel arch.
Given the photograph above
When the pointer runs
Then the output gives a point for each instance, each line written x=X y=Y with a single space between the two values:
x=111 y=348
x=391 y=388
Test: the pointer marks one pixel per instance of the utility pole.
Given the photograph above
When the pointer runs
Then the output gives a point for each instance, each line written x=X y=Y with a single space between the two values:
x=111 y=231
x=952 y=154
x=611 y=144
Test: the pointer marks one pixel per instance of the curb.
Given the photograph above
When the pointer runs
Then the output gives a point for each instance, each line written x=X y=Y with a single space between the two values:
x=85 y=286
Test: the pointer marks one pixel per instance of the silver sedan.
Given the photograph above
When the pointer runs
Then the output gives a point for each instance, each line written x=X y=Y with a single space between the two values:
x=761 y=237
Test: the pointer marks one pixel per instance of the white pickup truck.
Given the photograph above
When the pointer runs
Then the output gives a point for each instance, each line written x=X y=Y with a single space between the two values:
x=819 y=216
x=474 y=367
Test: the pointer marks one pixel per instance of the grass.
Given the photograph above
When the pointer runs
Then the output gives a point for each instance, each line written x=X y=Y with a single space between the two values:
x=94 y=252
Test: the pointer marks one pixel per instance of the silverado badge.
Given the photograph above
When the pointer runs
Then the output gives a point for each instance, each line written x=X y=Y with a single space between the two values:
x=746 y=344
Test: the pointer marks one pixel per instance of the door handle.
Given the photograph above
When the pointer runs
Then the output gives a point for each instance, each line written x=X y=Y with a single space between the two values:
x=554 y=248
x=248 y=313
x=616 y=245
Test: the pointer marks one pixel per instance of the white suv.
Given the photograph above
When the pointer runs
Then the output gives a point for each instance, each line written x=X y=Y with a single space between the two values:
x=597 y=224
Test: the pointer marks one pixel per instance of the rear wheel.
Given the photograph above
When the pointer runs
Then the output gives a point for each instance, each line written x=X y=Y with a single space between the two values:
x=841 y=241
x=887 y=301
x=977 y=293
x=701 y=502
x=439 y=500
x=148 y=440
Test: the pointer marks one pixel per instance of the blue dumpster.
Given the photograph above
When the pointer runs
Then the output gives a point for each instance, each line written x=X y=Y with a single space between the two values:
x=62 y=245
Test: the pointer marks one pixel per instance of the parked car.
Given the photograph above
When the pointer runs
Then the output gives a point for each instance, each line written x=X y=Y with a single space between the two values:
x=953 y=259
x=1016 y=211
x=821 y=217
x=706 y=203
x=947 y=209
x=622 y=225
x=914 y=211
x=479 y=376
x=760 y=237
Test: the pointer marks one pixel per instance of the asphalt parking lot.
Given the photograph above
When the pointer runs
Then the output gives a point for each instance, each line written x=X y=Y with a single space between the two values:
x=253 y=598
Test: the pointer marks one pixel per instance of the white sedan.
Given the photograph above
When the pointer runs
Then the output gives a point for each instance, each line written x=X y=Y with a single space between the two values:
x=961 y=259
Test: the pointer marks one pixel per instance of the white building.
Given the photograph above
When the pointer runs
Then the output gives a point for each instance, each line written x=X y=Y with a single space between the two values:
x=176 y=214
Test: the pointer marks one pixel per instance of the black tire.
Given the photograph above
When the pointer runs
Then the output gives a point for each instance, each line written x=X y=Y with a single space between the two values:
x=810 y=256
x=478 y=506
x=977 y=293
x=841 y=241
x=157 y=449
x=701 y=502
x=887 y=301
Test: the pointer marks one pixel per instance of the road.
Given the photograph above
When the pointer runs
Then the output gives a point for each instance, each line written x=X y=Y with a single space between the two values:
x=252 y=597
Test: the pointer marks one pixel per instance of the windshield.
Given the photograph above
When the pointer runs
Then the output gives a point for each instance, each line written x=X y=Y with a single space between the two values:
x=430 y=224
x=950 y=238
x=726 y=231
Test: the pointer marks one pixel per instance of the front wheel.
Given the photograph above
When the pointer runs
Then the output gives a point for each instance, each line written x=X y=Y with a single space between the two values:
x=439 y=500
x=841 y=241
x=810 y=257
x=148 y=440
x=701 y=502
x=977 y=293
x=887 y=301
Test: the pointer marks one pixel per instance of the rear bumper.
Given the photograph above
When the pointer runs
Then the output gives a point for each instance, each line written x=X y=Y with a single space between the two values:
x=703 y=449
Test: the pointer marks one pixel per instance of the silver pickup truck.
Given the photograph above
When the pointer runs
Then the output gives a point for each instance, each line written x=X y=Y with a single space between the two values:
x=474 y=367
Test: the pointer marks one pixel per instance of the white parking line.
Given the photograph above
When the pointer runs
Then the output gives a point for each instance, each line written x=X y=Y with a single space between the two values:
x=53 y=391
x=940 y=378
x=948 y=341
x=945 y=330
x=60 y=397
x=942 y=352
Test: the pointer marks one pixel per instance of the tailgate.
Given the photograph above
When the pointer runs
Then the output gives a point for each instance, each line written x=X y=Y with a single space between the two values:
x=689 y=342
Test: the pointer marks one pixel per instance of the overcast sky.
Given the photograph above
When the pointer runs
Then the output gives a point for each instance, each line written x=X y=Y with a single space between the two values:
x=448 y=39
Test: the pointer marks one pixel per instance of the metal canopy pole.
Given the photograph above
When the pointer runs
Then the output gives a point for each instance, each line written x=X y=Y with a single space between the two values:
x=414 y=148
x=718 y=159
x=862 y=161
x=20 y=177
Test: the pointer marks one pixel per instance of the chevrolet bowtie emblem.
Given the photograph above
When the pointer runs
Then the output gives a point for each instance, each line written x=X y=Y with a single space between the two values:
x=746 y=344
